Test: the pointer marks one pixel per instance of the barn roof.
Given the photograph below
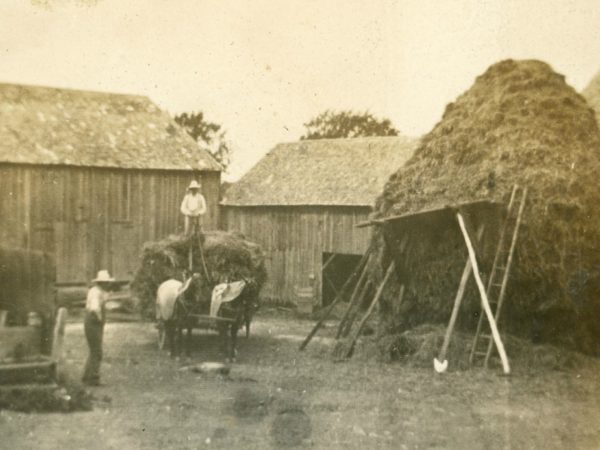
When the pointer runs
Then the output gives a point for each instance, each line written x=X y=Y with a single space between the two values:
x=345 y=172
x=592 y=94
x=42 y=125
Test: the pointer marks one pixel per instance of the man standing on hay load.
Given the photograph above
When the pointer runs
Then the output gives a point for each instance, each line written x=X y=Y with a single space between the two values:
x=93 y=324
x=192 y=207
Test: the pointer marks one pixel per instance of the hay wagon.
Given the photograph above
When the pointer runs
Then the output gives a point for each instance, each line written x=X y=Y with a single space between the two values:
x=199 y=321
x=195 y=316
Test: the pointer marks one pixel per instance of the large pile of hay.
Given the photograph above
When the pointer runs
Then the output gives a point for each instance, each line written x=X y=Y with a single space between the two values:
x=519 y=123
x=228 y=257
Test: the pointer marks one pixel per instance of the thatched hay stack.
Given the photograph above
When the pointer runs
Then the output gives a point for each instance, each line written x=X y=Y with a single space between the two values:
x=519 y=123
x=228 y=256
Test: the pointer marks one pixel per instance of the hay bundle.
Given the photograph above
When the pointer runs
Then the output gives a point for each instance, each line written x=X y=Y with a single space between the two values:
x=228 y=257
x=519 y=123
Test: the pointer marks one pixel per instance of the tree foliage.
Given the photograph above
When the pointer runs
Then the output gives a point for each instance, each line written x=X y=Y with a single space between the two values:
x=347 y=124
x=208 y=135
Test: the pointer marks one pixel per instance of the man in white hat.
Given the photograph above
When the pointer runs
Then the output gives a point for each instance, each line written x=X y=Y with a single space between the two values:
x=192 y=207
x=93 y=324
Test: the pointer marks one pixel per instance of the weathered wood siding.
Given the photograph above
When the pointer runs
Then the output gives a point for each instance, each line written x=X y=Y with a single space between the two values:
x=94 y=218
x=294 y=239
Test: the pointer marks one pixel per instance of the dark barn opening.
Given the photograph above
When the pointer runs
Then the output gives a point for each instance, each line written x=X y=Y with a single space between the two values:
x=337 y=268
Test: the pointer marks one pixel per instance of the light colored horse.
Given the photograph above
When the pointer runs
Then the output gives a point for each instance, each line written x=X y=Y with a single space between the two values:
x=171 y=314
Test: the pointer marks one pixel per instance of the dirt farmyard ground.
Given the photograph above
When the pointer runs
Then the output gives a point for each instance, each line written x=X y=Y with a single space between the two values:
x=276 y=397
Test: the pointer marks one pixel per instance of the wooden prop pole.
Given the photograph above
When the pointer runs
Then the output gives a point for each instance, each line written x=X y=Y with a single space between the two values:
x=320 y=322
x=347 y=326
x=361 y=266
x=370 y=310
x=353 y=298
x=440 y=364
x=483 y=295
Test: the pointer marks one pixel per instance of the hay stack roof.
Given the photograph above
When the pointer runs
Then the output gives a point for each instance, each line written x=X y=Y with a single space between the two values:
x=41 y=125
x=345 y=172
x=592 y=94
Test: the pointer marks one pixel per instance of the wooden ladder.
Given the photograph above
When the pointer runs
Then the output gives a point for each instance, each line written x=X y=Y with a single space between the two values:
x=483 y=344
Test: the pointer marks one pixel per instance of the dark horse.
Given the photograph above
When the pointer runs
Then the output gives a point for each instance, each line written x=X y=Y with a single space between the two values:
x=237 y=313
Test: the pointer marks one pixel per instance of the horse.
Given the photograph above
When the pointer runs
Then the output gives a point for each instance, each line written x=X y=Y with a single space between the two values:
x=238 y=312
x=172 y=314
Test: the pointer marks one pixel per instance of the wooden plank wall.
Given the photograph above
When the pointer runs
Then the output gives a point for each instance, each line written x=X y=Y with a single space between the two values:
x=94 y=218
x=294 y=239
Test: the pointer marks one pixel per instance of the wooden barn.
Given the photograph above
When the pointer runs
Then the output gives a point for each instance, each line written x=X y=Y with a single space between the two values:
x=302 y=202
x=90 y=176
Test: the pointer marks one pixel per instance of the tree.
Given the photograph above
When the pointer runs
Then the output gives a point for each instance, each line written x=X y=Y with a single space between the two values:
x=347 y=124
x=208 y=135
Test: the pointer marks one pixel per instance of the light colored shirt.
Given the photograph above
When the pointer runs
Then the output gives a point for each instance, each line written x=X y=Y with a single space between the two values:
x=96 y=298
x=193 y=205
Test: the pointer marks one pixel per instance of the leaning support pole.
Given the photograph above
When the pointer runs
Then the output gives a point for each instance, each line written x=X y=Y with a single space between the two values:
x=320 y=322
x=353 y=299
x=483 y=295
x=361 y=266
x=370 y=310
x=357 y=302
x=440 y=364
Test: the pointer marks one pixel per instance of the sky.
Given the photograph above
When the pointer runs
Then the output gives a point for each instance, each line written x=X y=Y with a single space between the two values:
x=263 y=68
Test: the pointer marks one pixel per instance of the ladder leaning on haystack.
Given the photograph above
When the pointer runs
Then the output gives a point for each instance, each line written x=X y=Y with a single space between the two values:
x=490 y=297
x=499 y=273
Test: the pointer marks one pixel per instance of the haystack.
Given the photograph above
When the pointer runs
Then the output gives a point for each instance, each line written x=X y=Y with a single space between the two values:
x=519 y=123
x=228 y=257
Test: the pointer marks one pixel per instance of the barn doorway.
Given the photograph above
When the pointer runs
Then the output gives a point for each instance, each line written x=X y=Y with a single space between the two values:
x=337 y=268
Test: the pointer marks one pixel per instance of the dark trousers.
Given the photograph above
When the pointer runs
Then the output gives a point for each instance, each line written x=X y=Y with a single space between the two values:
x=94 y=329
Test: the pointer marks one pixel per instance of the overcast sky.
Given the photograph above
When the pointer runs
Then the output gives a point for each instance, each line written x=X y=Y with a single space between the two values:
x=262 y=68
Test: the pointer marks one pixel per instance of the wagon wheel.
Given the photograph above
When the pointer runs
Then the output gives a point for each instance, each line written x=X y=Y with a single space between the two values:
x=161 y=335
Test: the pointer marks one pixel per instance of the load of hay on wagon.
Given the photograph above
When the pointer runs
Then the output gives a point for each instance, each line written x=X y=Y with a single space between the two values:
x=519 y=123
x=228 y=257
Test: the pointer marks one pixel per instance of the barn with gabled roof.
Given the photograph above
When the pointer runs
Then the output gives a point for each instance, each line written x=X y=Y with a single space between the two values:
x=302 y=202
x=91 y=176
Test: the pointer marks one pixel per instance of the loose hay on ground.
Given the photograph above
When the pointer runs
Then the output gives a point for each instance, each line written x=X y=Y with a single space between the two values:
x=418 y=347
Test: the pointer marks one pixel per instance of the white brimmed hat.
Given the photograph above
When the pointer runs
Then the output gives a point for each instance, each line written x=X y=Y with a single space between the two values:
x=103 y=276
x=194 y=185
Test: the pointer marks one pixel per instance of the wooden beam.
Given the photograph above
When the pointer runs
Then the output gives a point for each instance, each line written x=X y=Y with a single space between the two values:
x=369 y=223
x=319 y=323
x=208 y=318
x=484 y=298
x=370 y=310
x=335 y=291
x=353 y=299
x=361 y=266
x=333 y=255
x=457 y=302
